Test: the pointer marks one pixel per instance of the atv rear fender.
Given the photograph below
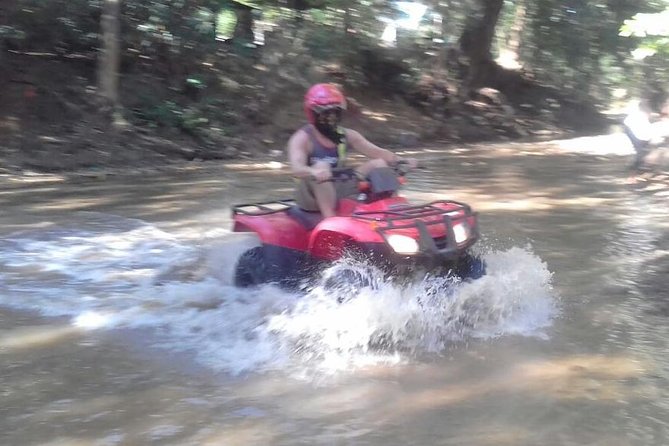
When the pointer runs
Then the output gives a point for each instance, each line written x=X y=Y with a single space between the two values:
x=278 y=229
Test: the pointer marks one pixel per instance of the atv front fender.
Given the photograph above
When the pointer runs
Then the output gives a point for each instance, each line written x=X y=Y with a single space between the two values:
x=330 y=239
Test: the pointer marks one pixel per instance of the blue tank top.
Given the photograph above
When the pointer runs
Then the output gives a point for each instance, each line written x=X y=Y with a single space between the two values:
x=334 y=156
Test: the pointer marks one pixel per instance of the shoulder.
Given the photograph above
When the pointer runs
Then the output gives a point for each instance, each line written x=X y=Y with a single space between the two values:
x=354 y=137
x=352 y=134
x=300 y=139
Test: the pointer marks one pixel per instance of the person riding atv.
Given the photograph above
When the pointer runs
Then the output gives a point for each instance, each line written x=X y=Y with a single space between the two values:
x=342 y=213
x=321 y=145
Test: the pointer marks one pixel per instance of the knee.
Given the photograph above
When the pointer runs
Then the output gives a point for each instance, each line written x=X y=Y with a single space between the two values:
x=371 y=165
x=378 y=163
x=326 y=187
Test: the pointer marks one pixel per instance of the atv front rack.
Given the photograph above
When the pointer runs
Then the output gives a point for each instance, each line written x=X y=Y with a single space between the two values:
x=420 y=217
x=264 y=208
x=390 y=217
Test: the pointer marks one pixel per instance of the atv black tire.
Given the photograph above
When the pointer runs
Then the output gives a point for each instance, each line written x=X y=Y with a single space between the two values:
x=250 y=270
x=470 y=267
x=346 y=283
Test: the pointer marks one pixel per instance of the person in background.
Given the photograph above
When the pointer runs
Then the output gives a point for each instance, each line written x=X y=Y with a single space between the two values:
x=638 y=128
x=322 y=145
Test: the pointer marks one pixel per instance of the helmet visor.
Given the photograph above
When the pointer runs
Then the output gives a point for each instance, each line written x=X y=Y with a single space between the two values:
x=324 y=108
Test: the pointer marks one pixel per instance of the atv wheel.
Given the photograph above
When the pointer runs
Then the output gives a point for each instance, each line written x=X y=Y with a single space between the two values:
x=470 y=267
x=347 y=282
x=250 y=269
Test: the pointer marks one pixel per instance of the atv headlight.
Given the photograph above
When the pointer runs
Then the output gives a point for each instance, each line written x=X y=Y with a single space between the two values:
x=461 y=232
x=402 y=244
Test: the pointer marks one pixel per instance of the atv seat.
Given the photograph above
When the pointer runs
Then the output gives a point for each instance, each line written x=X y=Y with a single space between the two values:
x=308 y=219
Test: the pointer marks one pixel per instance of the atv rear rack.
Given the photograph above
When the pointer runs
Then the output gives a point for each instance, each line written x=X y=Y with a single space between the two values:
x=447 y=246
x=264 y=208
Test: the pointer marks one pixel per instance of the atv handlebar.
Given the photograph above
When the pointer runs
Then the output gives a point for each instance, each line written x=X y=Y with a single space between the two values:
x=400 y=167
x=340 y=174
x=347 y=174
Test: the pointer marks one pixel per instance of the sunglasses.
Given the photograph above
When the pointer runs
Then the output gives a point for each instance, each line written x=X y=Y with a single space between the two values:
x=327 y=108
x=330 y=116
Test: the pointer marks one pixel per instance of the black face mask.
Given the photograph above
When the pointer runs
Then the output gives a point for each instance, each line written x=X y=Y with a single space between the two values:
x=327 y=123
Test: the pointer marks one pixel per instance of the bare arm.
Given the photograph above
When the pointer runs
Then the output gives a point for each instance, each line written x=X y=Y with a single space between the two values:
x=370 y=150
x=362 y=145
x=298 y=155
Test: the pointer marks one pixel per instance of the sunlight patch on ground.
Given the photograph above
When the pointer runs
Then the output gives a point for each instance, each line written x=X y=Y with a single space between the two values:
x=614 y=144
x=34 y=177
x=243 y=433
x=272 y=165
x=376 y=115
x=30 y=337
x=539 y=202
x=72 y=204
x=497 y=435
x=31 y=191
x=590 y=377
x=573 y=377
x=509 y=60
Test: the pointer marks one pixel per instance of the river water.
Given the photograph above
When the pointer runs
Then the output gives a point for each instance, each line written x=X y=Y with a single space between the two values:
x=119 y=325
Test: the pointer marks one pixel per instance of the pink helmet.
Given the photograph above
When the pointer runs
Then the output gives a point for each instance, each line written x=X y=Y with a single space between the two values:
x=322 y=97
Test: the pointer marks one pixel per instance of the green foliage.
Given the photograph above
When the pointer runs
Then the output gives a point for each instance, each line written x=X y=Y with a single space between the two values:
x=170 y=114
x=584 y=47
x=195 y=83
x=649 y=33
x=225 y=23
x=43 y=25
x=248 y=3
x=192 y=119
x=652 y=31
x=644 y=25
x=165 y=114
x=576 y=45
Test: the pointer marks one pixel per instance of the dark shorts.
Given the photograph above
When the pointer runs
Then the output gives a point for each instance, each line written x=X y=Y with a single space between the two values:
x=304 y=192
x=639 y=144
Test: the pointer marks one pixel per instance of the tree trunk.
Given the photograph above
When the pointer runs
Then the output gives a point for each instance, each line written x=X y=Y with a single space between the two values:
x=440 y=60
x=244 y=27
x=110 y=55
x=476 y=42
x=347 y=19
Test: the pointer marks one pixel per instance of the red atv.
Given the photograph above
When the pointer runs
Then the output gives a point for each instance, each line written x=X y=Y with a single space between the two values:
x=377 y=224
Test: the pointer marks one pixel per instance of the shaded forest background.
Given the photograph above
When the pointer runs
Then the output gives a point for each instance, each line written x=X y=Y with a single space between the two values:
x=100 y=83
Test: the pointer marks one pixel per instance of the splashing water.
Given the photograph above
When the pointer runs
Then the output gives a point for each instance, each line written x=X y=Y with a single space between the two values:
x=109 y=272
x=422 y=315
